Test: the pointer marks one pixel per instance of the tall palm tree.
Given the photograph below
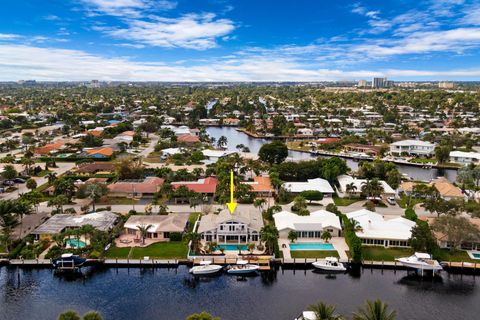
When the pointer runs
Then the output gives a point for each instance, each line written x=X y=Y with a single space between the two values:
x=222 y=142
x=143 y=231
x=193 y=237
x=324 y=311
x=372 y=188
x=269 y=235
x=375 y=310
x=350 y=188
x=51 y=177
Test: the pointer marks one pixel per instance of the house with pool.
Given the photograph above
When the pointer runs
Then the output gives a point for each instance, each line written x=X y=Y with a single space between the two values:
x=374 y=230
x=225 y=228
x=307 y=227
x=103 y=221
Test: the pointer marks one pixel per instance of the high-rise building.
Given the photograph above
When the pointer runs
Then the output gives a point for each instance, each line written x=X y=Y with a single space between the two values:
x=381 y=83
x=362 y=83
x=446 y=85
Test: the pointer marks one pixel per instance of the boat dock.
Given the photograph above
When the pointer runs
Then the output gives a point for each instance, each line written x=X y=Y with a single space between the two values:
x=264 y=262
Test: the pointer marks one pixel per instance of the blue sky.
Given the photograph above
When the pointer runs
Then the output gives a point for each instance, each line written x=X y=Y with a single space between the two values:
x=244 y=40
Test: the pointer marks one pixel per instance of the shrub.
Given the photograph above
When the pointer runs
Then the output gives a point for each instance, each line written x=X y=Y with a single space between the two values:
x=410 y=214
x=175 y=236
x=353 y=242
x=94 y=254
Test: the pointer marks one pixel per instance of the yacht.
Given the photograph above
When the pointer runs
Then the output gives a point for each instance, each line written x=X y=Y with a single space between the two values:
x=242 y=267
x=329 y=264
x=205 y=267
x=68 y=261
x=421 y=261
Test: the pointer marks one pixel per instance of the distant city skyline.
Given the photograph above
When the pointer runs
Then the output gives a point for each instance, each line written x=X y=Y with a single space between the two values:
x=239 y=40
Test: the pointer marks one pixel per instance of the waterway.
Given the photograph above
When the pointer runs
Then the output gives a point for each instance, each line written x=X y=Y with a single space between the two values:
x=235 y=138
x=172 y=294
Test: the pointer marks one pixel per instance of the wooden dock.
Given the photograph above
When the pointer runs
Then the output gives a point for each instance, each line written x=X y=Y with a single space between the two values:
x=262 y=261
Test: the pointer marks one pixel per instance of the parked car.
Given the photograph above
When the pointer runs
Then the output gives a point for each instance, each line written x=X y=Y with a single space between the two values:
x=391 y=200
x=19 y=180
x=8 y=183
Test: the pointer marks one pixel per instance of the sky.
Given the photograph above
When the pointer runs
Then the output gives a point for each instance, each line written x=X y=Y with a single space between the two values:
x=239 y=40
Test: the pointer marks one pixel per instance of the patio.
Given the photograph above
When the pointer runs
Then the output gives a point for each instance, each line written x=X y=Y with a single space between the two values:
x=131 y=240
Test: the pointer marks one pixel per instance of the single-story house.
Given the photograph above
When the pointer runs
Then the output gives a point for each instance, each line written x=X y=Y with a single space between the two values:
x=317 y=184
x=48 y=148
x=447 y=189
x=363 y=148
x=136 y=189
x=375 y=230
x=94 y=167
x=261 y=186
x=103 y=221
x=161 y=225
x=98 y=153
x=207 y=187
x=243 y=226
x=443 y=241
x=311 y=226
x=345 y=180
x=188 y=139
x=461 y=157
x=212 y=156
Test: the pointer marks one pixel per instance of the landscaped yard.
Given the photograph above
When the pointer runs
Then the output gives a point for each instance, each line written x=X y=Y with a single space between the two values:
x=404 y=200
x=115 y=252
x=313 y=254
x=373 y=253
x=153 y=157
x=342 y=202
x=454 y=256
x=192 y=219
x=161 y=250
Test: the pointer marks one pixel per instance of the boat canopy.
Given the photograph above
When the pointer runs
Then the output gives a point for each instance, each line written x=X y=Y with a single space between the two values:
x=242 y=262
x=332 y=259
x=421 y=255
x=205 y=262
x=67 y=255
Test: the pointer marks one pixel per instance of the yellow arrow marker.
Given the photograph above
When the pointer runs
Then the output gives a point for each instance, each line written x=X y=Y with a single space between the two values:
x=231 y=205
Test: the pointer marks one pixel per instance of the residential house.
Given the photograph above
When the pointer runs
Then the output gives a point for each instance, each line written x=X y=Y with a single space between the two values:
x=413 y=148
x=261 y=186
x=345 y=180
x=98 y=153
x=373 y=151
x=374 y=230
x=241 y=226
x=136 y=189
x=95 y=167
x=311 y=226
x=161 y=226
x=206 y=187
x=188 y=139
x=447 y=189
x=465 y=158
x=103 y=221
x=445 y=243
x=49 y=149
x=317 y=184
x=212 y=156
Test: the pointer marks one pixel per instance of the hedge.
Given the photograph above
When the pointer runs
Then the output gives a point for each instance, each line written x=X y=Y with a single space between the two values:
x=353 y=242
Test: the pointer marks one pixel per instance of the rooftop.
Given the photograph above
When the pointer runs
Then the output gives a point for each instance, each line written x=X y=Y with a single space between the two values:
x=160 y=223
x=103 y=221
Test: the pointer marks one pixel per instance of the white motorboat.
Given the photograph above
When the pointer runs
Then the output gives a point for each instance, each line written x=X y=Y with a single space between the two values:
x=421 y=261
x=205 y=267
x=329 y=264
x=242 y=267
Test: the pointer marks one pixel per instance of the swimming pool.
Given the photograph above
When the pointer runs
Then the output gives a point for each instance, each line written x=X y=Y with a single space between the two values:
x=474 y=255
x=232 y=247
x=311 y=246
x=74 y=243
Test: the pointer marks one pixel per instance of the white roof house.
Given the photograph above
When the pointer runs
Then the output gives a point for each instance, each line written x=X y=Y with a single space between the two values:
x=393 y=232
x=345 y=180
x=318 y=184
x=213 y=155
x=413 y=147
x=316 y=221
x=464 y=157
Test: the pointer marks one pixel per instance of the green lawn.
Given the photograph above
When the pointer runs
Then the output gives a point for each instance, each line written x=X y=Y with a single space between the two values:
x=454 y=256
x=374 y=253
x=161 y=250
x=342 y=202
x=402 y=202
x=115 y=200
x=115 y=252
x=422 y=160
x=191 y=220
x=43 y=173
x=314 y=254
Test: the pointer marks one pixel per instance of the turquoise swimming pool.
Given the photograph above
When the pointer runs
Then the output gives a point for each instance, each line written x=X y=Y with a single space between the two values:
x=311 y=246
x=232 y=247
x=476 y=255
x=74 y=243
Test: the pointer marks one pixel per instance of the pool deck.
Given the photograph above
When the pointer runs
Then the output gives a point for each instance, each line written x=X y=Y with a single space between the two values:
x=337 y=242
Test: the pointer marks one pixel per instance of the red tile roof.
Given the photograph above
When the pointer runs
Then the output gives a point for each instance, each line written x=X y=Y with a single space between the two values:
x=149 y=185
x=188 y=138
x=207 y=185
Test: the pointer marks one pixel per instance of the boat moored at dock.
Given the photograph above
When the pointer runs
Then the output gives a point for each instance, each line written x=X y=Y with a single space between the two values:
x=205 y=267
x=329 y=264
x=421 y=261
x=68 y=261
x=242 y=267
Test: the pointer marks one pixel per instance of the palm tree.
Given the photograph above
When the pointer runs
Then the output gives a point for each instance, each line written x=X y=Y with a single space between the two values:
x=326 y=235
x=324 y=311
x=92 y=315
x=143 y=231
x=372 y=188
x=27 y=163
x=69 y=315
x=375 y=310
x=355 y=225
x=269 y=235
x=95 y=191
x=193 y=237
x=350 y=188
x=222 y=142
x=51 y=177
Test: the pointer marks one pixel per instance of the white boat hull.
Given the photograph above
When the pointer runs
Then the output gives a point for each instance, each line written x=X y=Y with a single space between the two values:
x=327 y=267
x=243 y=270
x=420 y=265
x=203 y=270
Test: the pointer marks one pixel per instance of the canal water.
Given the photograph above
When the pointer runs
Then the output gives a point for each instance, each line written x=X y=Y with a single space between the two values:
x=172 y=294
x=235 y=138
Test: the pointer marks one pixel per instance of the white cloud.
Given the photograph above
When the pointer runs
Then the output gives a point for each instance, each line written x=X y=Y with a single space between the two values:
x=472 y=16
x=8 y=36
x=191 y=31
x=127 y=8
x=60 y=64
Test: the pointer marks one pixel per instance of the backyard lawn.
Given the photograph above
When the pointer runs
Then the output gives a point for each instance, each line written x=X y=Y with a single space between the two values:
x=373 y=253
x=161 y=250
x=115 y=252
x=313 y=254
x=454 y=256
x=342 y=202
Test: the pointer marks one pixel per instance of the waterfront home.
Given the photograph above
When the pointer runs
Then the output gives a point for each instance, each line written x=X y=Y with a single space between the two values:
x=346 y=180
x=444 y=243
x=413 y=148
x=135 y=188
x=317 y=184
x=103 y=221
x=447 y=189
x=261 y=186
x=311 y=226
x=373 y=151
x=465 y=158
x=212 y=156
x=206 y=187
x=95 y=167
x=188 y=139
x=374 y=230
x=161 y=226
x=243 y=226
